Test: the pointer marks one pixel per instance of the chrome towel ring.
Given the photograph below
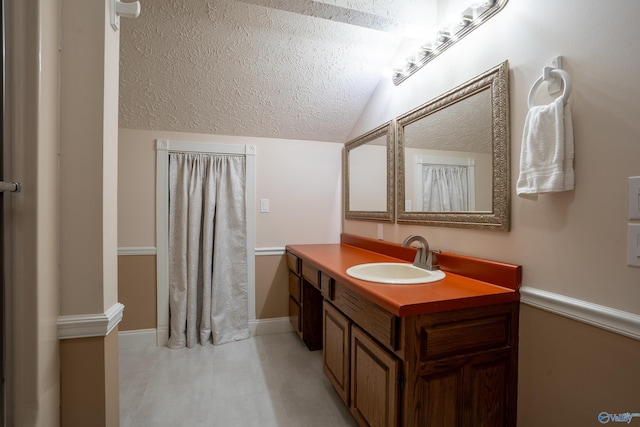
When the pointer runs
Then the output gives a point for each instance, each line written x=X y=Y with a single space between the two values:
x=547 y=73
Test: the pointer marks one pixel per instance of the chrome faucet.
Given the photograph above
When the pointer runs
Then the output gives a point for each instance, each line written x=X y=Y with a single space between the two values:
x=425 y=258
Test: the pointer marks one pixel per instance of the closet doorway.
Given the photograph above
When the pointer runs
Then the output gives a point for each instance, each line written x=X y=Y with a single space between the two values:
x=163 y=149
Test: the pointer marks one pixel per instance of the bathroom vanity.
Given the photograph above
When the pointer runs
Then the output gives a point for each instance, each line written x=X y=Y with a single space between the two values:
x=437 y=354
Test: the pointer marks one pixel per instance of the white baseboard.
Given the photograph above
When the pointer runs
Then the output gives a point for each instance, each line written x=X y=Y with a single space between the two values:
x=159 y=337
x=162 y=336
x=137 y=338
x=610 y=319
x=270 y=326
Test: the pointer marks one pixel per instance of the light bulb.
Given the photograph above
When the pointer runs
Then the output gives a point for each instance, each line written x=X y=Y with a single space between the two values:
x=443 y=36
x=466 y=18
x=426 y=50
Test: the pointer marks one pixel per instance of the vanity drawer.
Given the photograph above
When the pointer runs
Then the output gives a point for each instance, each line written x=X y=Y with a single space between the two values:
x=294 y=286
x=375 y=320
x=446 y=335
x=311 y=274
x=293 y=263
x=326 y=286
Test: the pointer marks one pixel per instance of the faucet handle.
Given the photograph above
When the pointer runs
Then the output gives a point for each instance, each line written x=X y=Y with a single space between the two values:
x=432 y=260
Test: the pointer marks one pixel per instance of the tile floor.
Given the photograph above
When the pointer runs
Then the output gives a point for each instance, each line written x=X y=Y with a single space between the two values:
x=267 y=380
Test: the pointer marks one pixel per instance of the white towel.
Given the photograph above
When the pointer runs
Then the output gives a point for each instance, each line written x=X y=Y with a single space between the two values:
x=546 y=157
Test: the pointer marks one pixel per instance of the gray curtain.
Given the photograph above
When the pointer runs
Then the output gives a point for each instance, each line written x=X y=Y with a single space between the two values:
x=445 y=188
x=207 y=249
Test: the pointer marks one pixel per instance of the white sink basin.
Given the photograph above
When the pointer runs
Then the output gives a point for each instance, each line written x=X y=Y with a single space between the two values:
x=394 y=273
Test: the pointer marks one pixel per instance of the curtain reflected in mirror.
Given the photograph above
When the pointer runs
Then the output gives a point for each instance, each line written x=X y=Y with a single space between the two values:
x=444 y=188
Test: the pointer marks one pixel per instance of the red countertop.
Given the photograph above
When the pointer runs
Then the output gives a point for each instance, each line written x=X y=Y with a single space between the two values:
x=469 y=282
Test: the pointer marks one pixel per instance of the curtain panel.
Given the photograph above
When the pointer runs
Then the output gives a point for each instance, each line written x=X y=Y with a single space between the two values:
x=208 y=280
x=445 y=188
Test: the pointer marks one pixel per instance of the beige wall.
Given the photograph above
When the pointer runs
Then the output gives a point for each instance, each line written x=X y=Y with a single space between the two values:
x=88 y=157
x=272 y=287
x=300 y=178
x=137 y=291
x=569 y=372
x=87 y=179
x=89 y=385
x=58 y=243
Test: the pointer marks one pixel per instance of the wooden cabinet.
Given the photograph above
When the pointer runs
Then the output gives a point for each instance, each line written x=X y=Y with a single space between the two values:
x=336 y=354
x=452 y=368
x=457 y=368
x=466 y=368
x=295 y=286
x=363 y=372
x=374 y=382
x=305 y=301
x=359 y=339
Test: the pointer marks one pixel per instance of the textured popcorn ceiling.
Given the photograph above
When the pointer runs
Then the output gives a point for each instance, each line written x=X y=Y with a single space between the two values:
x=464 y=126
x=296 y=69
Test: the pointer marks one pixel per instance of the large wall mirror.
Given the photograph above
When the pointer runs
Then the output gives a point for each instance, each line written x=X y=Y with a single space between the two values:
x=368 y=170
x=453 y=157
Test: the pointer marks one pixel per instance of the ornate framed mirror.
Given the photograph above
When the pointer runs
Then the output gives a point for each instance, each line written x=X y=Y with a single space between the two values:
x=369 y=175
x=453 y=157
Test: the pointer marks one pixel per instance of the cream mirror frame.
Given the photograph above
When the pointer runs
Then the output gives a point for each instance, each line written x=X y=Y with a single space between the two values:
x=368 y=169
x=494 y=86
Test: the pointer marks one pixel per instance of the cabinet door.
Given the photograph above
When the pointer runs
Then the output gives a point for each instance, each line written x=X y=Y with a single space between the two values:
x=294 y=316
x=374 y=382
x=336 y=354
x=311 y=314
x=487 y=379
x=466 y=391
x=437 y=395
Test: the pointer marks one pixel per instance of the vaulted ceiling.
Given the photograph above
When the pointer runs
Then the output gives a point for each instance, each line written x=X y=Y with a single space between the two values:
x=295 y=69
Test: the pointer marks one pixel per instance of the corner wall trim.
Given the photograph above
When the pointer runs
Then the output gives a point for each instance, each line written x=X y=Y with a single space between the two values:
x=270 y=251
x=143 y=250
x=600 y=316
x=90 y=325
x=150 y=250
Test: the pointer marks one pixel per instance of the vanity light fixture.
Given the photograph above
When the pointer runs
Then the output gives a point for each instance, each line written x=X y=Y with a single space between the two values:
x=470 y=19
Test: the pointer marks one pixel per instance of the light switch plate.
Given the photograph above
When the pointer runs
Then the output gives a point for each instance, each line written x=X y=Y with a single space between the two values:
x=264 y=205
x=633 y=240
x=634 y=197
